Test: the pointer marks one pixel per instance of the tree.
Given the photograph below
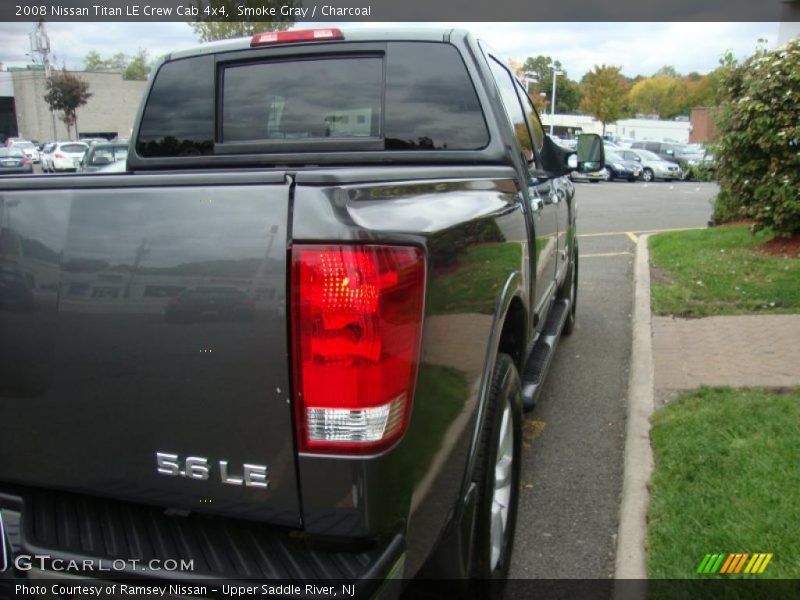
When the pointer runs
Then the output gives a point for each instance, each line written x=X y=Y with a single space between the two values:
x=66 y=92
x=138 y=67
x=604 y=92
x=568 y=92
x=660 y=95
x=516 y=68
x=133 y=68
x=94 y=62
x=706 y=90
x=208 y=29
x=667 y=71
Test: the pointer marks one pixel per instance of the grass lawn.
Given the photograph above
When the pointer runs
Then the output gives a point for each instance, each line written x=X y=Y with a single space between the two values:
x=717 y=272
x=727 y=479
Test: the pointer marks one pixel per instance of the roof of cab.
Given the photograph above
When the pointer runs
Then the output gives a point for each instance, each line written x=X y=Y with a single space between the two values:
x=350 y=35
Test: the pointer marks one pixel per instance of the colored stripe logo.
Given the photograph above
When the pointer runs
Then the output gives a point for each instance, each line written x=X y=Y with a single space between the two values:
x=732 y=563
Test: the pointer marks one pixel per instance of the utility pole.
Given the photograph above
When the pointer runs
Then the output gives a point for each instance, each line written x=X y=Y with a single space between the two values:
x=40 y=44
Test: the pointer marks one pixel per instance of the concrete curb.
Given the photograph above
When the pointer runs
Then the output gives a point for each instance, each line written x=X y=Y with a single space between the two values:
x=631 y=560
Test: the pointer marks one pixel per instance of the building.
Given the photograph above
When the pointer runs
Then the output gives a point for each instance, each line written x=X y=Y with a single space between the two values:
x=704 y=128
x=109 y=113
x=637 y=129
x=656 y=130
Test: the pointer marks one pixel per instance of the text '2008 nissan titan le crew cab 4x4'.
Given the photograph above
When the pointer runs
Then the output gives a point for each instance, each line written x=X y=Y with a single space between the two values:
x=294 y=339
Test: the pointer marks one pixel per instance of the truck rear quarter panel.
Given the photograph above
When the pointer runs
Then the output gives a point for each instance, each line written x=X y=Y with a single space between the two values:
x=474 y=236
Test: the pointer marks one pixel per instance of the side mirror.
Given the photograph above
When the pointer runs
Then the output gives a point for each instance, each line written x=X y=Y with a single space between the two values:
x=591 y=153
x=589 y=156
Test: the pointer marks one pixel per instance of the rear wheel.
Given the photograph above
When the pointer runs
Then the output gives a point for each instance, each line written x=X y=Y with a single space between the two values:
x=497 y=477
x=647 y=175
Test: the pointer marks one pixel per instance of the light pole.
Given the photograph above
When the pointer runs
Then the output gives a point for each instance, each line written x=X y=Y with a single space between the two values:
x=556 y=72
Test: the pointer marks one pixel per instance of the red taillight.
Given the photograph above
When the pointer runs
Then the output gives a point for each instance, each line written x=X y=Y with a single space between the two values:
x=356 y=325
x=58 y=155
x=26 y=162
x=298 y=35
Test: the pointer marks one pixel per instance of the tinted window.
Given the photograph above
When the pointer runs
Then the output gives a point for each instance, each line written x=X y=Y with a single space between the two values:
x=513 y=109
x=179 y=115
x=430 y=100
x=339 y=98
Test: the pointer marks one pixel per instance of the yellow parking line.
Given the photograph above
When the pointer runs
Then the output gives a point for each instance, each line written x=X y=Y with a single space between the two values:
x=606 y=254
x=610 y=233
x=632 y=236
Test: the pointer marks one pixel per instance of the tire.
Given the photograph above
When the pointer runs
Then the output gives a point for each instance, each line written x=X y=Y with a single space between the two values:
x=647 y=176
x=498 y=464
x=569 y=289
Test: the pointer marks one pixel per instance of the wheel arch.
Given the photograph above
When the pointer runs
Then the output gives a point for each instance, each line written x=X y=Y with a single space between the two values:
x=509 y=336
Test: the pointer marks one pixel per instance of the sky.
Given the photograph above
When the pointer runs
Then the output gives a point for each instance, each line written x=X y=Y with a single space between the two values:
x=639 y=48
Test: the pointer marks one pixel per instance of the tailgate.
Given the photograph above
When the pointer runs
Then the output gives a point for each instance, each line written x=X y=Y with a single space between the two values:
x=143 y=350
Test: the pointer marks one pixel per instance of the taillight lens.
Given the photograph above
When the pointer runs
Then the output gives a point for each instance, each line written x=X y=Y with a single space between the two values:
x=356 y=326
x=59 y=155
x=269 y=38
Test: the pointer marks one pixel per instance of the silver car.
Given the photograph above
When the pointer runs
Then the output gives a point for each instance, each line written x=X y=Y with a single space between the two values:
x=653 y=166
x=29 y=148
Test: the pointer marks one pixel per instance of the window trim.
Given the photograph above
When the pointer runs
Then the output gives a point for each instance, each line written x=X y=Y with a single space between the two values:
x=492 y=57
x=521 y=90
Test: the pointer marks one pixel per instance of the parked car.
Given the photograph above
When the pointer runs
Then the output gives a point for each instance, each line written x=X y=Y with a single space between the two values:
x=680 y=154
x=101 y=155
x=66 y=156
x=653 y=166
x=92 y=141
x=371 y=428
x=619 y=168
x=46 y=156
x=14 y=161
x=593 y=176
x=28 y=147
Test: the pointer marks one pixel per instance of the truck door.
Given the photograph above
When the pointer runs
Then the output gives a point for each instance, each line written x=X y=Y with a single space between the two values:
x=537 y=192
x=550 y=190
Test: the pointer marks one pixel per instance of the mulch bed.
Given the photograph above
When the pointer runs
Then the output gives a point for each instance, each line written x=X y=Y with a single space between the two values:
x=788 y=247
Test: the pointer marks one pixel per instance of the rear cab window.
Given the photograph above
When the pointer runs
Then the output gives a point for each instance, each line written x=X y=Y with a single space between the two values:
x=403 y=96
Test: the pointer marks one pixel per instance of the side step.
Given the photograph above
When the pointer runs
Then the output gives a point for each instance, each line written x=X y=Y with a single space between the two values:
x=542 y=353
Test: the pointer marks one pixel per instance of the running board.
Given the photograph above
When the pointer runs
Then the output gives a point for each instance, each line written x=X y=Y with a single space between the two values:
x=542 y=353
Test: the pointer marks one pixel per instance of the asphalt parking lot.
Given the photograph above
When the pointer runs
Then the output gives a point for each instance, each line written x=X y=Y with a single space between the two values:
x=574 y=438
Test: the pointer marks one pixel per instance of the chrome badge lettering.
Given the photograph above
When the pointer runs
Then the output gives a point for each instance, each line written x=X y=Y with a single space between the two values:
x=199 y=468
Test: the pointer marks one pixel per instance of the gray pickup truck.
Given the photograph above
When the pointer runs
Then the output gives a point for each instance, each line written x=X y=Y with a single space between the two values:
x=295 y=338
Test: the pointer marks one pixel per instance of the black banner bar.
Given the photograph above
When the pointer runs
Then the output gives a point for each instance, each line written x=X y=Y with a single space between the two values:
x=300 y=11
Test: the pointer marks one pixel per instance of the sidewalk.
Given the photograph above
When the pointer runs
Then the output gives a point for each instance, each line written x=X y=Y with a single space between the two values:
x=738 y=351
x=670 y=355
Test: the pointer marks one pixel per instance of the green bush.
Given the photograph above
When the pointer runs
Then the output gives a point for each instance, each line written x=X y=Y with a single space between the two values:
x=758 y=155
x=701 y=172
